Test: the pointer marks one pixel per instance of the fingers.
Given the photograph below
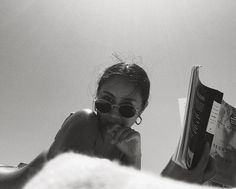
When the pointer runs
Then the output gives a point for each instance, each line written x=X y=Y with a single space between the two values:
x=131 y=136
x=113 y=129
x=123 y=134
x=126 y=134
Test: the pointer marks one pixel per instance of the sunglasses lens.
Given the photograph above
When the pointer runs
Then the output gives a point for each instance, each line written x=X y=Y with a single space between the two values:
x=127 y=111
x=103 y=107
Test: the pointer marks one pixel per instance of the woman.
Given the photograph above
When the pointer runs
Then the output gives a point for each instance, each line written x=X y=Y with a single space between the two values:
x=121 y=97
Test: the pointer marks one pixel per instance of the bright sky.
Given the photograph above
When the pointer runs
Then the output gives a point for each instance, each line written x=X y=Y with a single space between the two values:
x=52 y=52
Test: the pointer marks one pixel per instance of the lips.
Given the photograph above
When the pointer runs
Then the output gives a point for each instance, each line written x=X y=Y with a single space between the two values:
x=112 y=126
x=111 y=123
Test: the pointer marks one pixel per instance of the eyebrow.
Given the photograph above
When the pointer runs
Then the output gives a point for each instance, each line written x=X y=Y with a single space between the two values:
x=128 y=99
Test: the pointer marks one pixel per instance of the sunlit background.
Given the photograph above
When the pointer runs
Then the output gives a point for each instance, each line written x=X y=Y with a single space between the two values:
x=52 y=52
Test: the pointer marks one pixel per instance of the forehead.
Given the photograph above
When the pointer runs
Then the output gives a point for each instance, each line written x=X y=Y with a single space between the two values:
x=120 y=88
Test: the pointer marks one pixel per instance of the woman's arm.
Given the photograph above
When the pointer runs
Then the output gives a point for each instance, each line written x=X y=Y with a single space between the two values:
x=75 y=133
x=18 y=178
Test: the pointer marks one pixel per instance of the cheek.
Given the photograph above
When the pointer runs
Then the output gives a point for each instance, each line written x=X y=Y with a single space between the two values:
x=130 y=122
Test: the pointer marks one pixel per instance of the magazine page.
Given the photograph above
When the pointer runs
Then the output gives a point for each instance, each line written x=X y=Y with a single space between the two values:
x=199 y=106
x=203 y=104
x=182 y=105
x=179 y=156
x=223 y=148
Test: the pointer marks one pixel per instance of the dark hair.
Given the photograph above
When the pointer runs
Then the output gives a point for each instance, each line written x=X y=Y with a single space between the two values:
x=133 y=72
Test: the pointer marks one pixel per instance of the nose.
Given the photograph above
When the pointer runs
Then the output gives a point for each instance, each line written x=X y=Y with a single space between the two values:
x=115 y=113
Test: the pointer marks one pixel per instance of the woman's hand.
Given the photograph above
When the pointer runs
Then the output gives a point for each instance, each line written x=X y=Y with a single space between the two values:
x=204 y=170
x=128 y=141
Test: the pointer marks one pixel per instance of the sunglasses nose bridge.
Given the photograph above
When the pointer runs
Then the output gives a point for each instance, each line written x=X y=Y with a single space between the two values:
x=114 y=106
x=115 y=110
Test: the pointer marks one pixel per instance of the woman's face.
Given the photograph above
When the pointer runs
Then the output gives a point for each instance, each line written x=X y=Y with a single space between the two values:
x=119 y=91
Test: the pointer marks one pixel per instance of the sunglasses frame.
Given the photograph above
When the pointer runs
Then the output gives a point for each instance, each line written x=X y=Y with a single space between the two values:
x=114 y=106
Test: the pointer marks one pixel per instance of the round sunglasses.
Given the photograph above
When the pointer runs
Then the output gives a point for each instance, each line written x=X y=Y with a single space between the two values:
x=125 y=110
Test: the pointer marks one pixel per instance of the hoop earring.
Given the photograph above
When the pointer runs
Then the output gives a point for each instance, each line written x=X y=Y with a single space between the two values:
x=140 y=120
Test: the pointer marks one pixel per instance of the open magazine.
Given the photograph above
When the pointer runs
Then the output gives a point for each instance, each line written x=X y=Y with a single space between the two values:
x=208 y=118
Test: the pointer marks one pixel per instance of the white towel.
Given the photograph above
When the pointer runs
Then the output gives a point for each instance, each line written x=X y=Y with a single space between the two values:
x=75 y=171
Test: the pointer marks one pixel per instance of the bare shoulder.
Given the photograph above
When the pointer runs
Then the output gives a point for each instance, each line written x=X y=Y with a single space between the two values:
x=82 y=118
x=86 y=115
x=79 y=128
